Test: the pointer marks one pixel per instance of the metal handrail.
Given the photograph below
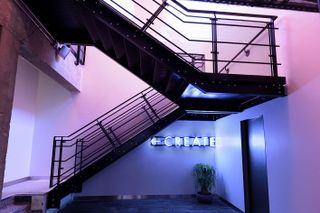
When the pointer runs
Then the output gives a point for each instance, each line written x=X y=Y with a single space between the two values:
x=105 y=133
x=205 y=17
x=117 y=107
x=224 y=13
x=179 y=7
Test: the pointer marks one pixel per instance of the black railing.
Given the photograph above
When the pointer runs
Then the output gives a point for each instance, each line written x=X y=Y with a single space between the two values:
x=73 y=153
x=232 y=43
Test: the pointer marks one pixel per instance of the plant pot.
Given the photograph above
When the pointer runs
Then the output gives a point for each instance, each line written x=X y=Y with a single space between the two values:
x=205 y=198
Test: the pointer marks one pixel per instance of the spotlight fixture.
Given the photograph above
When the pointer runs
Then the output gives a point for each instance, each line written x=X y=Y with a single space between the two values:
x=64 y=51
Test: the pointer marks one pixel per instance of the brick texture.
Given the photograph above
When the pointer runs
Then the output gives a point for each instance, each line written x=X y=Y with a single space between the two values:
x=9 y=48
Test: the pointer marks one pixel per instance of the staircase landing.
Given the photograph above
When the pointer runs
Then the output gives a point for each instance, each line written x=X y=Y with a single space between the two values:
x=27 y=187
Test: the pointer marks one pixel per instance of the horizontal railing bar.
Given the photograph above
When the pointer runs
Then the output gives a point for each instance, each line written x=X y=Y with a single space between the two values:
x=206 y=17
x=71 y=157
x=224 y=13
x=96 y=157
x=129 y=130
x=199 y=40
x=245 y=26
x=243 y=62
x=106 y=148
x=155 y=31
x=125 y=133
x=73 y=144
x=209 y=23
x=111 y=7
x=153 y=104
x=121 y=106
x=92 y=134
x=209 y=41
x=93 y=154
x=136 y=107
x=124 y=116
x=221 y=24
x=136 y=130
x=123 y=103
x=142 y=112
x=127 y=136
x=232 y=42
x=111 y=122
x=243 y=43
x=122 y=120
x=172 y=28
x=141 y=102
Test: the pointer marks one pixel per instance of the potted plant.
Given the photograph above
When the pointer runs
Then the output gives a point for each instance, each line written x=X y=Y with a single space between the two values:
x=205 y=178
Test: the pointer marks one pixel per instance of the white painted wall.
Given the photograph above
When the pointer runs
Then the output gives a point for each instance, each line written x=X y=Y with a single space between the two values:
x=22 y=122
x=105 y=84
x=291 y=124
x=160 y=170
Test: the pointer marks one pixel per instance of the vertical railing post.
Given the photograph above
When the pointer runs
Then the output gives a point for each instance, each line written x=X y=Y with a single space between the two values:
x=76 y=157
x=81 y=155
x=146 y=111
x=106 y=133
x=53 y=161
x=114 y=135
x=60 y=161
x=273 y=52
x=150 y=107
x=214 y=45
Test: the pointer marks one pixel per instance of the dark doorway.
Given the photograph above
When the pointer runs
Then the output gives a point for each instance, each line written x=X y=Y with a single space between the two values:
x=254 y=166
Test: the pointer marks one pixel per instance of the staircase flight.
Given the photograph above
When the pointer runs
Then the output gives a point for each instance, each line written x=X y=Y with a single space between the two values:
x=82 y=154
x=197 y=62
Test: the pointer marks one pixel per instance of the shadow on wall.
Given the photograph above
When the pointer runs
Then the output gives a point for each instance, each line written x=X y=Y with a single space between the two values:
x=220 y=188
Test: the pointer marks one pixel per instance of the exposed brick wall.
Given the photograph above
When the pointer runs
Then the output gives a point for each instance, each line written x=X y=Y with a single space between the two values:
x=9 y=48
x=20 y=36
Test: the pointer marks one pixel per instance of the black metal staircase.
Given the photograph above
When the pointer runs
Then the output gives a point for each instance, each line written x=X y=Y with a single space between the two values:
x=153 y=49
x=190 y=74
x=82 y=154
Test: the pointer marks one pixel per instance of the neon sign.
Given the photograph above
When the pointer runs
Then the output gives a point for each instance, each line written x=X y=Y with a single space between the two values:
x=183 y=141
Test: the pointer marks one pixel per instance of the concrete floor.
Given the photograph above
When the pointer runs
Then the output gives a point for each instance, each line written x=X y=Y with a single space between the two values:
x=163 y=205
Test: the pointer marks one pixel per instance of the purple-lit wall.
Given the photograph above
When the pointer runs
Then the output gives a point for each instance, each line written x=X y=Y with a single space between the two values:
x=292 y=144
x=150 y=170
x=60 y=111
x=291 y=124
